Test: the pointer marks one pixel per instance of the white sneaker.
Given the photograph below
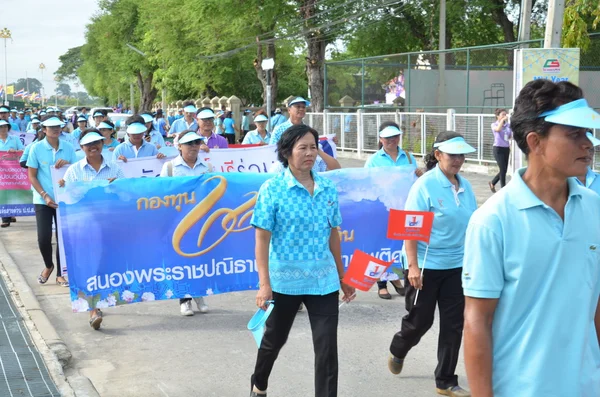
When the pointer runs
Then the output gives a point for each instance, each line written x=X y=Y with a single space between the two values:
x=202 y=306
x=186 y=309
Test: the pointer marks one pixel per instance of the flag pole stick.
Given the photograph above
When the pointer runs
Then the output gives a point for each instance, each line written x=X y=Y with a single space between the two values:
x=422 y=270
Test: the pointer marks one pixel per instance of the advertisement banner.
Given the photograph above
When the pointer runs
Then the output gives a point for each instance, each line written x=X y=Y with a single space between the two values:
x=15 y=190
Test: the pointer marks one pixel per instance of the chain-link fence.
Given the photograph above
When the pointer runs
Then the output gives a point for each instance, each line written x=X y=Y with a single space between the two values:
x=469 y=80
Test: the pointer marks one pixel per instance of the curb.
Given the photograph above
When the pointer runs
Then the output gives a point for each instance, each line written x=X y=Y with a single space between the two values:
x=52 y=348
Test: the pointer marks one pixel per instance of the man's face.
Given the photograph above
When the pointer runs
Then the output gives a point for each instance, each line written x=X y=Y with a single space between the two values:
x=21 y=116
x=4 y=116
x=298 y=110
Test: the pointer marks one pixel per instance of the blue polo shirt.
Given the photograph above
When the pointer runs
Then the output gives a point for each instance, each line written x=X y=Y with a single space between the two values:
x=452 y=210
x=11 y=142
x=156 y=138
x=545 y=274
x=253 y=137
x=127 y=150
x=181 y=125
x=26 y=151
x=592 y=181
x=76 y=134
x=279 y=130
x=228 y=124
x=22 y=123
x=300 y=262
x=42 y=156
x=381 y=159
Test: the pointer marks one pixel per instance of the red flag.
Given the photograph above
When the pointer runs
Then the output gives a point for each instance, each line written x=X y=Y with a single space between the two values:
x=364 y=270
x=410 y=225
x=240 y=146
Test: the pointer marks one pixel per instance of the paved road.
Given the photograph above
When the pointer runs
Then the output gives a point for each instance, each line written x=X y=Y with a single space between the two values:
x=150 y=350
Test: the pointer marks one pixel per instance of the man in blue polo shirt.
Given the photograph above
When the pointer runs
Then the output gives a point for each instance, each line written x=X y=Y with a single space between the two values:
x=531 y=273
x=135 y=146
x=188 y=122
x=4 y=115
x=21 y=122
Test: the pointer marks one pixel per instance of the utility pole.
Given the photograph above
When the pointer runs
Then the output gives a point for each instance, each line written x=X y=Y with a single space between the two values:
x=42 y=67
x=5 y=34
x=525 y=25
x=441 y=94
x=556 y=12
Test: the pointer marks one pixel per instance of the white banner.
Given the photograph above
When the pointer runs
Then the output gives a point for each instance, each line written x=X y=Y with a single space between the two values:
x=25 y=138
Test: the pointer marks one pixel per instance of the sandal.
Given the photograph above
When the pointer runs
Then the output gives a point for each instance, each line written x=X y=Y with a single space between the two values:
x=62 y=283
x=399 y=290
x=41 y=279
x=5 y=224
x=386 y=296
x=96 y=320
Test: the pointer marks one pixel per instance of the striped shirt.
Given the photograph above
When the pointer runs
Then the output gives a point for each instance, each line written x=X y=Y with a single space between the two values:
x=82 y=171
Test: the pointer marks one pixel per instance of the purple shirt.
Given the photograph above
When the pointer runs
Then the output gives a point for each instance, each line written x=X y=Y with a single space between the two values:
x=216 y=141
x=501 y=137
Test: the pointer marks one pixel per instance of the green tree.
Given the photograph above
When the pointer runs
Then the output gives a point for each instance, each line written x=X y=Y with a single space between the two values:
x=581 y=17
x=70 y=62
x=63 y=89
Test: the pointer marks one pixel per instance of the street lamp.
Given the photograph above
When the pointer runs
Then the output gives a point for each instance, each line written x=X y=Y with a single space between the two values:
x=42 y=67
x=267 y=65
x=5 y=34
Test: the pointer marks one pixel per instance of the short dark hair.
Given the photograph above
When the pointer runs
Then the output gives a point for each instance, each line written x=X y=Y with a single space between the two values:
x=498 y=111
x=430 y=160
x=289 y=139
x=89 y=131
x=536 y=97
x=136 y=118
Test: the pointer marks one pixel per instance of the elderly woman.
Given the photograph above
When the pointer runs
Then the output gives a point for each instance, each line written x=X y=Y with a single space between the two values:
x=435 y=269
x=390 y=154
x=8 y=143
x=50 y=152
x=93 y=167
x=292 y=205
x=188 y=163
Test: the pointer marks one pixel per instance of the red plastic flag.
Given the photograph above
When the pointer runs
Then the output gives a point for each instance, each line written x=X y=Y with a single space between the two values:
x=364 y=270
x=410 y=225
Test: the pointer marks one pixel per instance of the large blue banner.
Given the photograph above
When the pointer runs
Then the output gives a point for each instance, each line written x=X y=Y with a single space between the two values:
x=148 y=239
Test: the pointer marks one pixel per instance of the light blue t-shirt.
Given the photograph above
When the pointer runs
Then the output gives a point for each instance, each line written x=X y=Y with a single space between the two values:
x=159 y=125
x=11 y=142
x=181 y=125
x=22 y=123
x=76 y=134
x=452 y=210
x=127 y=150
x=592 y=180
x=545 y=274
x=228 y=124
x=300 y=261
x=381 y=159
x=246 y=123
x=156 y=138
x=43 y=156
x=253 y=137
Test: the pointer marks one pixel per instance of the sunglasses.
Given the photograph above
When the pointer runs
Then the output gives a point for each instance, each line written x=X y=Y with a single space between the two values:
x=193 y=143
x=211 y=120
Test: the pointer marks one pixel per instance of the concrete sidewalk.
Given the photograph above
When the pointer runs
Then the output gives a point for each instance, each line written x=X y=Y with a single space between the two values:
x=151 y=350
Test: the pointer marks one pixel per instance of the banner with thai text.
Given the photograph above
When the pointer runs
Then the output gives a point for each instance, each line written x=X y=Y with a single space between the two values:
x=150 y=239
x=15 y=190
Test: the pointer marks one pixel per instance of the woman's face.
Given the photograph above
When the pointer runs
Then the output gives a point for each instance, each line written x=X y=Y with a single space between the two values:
x=3 y=130
x=136 y=139
x=391 y=143
x=304 y=153
x=501 y=115
x=53 y=132
x=106 y=133
x=566 y=150
x=261 y=126
x=92 y=150
x=450 y=164
x=189 y=150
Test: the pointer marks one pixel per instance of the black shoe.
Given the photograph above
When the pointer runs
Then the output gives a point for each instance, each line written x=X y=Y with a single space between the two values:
x=386 y=296
x=399 y=290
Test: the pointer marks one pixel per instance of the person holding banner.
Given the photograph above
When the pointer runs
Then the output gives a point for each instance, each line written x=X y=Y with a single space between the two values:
x=50 y=152
x=532 y=258
x=206 y=127
x=449 y=196
x=188 y=163
x=298 y=256
x=152 y=135
x=186 y=121
x=8 y=143
x=93 y=167
x=107 y=130
x=259 y=136
x=390 y=154
x=135 y=146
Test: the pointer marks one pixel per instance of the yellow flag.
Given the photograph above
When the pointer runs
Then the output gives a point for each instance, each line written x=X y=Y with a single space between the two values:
x=10 y=90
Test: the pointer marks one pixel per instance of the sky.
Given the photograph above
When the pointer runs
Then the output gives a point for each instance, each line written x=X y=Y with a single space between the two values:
x=42 y=31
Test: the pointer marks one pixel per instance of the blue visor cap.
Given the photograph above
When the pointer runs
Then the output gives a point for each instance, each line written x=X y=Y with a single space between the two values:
x=190 y=137
x=90 y=138
x=298 y=100
x=190 y=109
x=595 y=141
x=103 y=125
x=260 y=118
x=576 y=114
x=53 y=122
x=82 y=119
x=206 y=114
x=147 y=118
x=4 y=122
x=98 y=114
x=456 y=145
x=389 y=132
x=4 y=109
x=136 y=128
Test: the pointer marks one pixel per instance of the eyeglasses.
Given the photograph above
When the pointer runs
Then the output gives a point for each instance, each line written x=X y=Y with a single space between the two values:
x=95 y=143
x=193 y=143
x=210 y=120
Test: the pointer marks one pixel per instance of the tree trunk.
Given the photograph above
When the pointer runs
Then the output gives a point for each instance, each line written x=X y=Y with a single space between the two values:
x=262 y=74
x=148 y=92
x=315 y=61
x=508 y=28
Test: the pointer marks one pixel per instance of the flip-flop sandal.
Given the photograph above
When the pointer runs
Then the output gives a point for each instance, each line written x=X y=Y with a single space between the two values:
x=41 y=279
x=96 y=320
x=62 y=283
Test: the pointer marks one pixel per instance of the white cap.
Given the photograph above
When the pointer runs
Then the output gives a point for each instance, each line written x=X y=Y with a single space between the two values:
x=260 y=117
x=91 y=137
x=206 y=114
x=189 y=137
x=53 y=122
x=389 y=132
x=298 y=99
x=147 y=118
x=190 y=109
x=104 y=124
x=136 y=128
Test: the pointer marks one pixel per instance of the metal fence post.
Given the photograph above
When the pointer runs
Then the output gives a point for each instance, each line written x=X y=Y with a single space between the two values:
x=480 y=139
x=468 y=77
x=407 y=91
x=359 y=132
x=362 y=89
x=423 y=134
x=325 y=122
x=451 y=120
x=326 y=88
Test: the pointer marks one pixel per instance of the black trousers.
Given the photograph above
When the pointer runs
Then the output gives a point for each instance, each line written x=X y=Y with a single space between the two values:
x=323 y=315
x=501 y=155
x=230 y=138
x=444 y=288
x=44 y=216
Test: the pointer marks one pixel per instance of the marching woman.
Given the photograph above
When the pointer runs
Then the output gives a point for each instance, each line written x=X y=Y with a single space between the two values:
x=449 y=196
x=294 y=204
x=93 y=167
x=188 y=163
x=390 y=154
x=107 y=130
x=8 y=143
x=260 y=135
x=50 y=152
x=152 y=134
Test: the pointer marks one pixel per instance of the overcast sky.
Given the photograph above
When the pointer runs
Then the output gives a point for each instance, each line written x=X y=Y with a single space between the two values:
x=42 y=30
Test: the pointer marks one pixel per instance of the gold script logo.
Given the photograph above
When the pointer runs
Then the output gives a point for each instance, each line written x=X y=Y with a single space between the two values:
x=230 y=222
